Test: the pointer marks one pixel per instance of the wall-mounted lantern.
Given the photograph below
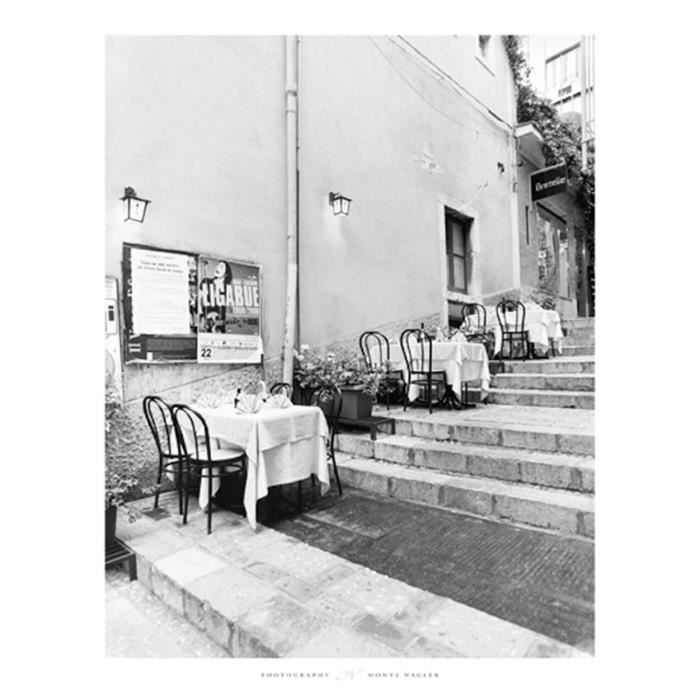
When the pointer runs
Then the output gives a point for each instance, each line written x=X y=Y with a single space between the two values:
x=340 y=204
x=134 y=207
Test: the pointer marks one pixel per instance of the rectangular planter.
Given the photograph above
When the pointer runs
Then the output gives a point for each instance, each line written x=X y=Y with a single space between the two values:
x=356 y=404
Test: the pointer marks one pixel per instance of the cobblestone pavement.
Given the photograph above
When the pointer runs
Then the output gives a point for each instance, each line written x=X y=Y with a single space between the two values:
x=539 y=581
x=137 y=624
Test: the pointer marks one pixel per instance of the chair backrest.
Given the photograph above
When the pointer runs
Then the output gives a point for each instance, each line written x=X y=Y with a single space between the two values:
x=511 y=316
x=282 y=388
x=330 y=400
x=192 y=432
x=159 y=417
x=417 y=349
x=474 y=316
x=375 y=349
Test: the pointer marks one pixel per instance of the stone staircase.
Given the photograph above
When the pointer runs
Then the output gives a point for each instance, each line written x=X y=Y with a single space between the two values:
x=526 y=457
x=564 y=382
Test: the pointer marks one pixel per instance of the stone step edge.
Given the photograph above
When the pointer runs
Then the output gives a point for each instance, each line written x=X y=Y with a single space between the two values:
x=554 y=511
x=558 y=440
x=515 y=453
x=557 y=375
x=239 y=642
x=543 y=392
x=510 y=466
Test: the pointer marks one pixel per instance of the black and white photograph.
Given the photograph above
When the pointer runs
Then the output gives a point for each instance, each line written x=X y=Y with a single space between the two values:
x=350 y=346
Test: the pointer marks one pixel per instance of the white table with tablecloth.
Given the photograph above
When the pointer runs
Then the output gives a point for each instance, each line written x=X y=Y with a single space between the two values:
x=460 y=360
x=282 y=445
x=542 y=325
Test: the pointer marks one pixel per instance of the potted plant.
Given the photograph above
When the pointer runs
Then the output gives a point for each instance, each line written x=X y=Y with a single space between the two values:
x=119 y=479
x=342 y=369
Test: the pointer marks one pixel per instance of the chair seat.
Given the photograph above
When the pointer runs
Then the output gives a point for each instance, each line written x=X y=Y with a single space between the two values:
x=219 y=454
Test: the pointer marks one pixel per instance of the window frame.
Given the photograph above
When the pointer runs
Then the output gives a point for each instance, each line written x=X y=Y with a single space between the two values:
x=465 y=223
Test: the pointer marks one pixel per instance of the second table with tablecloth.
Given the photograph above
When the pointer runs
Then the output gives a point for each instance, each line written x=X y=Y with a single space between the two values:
x=282 y=445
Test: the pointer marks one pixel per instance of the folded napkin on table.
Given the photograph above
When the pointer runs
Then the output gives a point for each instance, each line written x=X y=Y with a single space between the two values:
x=210 y=401
x=277 y=401
x=249 y=403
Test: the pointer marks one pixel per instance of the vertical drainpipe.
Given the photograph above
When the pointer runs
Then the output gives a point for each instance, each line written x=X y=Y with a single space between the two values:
x=291 y=71
x=515 y=228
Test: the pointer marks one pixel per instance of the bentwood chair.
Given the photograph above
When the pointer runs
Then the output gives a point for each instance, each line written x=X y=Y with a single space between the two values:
x=511 y=319
x=474 y=326
x=159 y=417
x=282 y=388
x=417 y=349
x=330 y=400
x=374 y=347
x=201 y=456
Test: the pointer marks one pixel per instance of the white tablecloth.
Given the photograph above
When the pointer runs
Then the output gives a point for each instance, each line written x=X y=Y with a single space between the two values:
x=542 y=325
x=461 y=361
x=282 y=445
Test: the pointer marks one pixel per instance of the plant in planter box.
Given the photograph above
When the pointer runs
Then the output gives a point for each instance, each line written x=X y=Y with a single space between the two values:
x=343 y=369
x=119 y=479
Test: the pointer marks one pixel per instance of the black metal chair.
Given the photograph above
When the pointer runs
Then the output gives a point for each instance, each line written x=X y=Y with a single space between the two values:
x=513 y=329
x=417 y=349
x=330 y=400
x=282 y=388
x=159 y=417
x=376 y=353
x=474 y=326
x=201 y=457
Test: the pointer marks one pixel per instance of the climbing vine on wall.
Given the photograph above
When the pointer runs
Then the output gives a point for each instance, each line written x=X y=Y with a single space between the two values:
x=562 y=138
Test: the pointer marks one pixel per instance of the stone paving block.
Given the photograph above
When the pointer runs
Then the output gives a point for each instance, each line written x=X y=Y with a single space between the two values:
x=297 y=588
x=467 y=500
x=588 y=480
x=330 y=576
x=209 y=620
x=588 y=525
x=168 y=591
x=341 y=642
x=423 y=648
x=367 y=481
x=280 y=624
x=330 y=606
x=442 y=459
x=546 y=515
x=246 y=645
x=493 y=467
x=403 y=426
x=549 y=648
x=298 y=559
x=415 y=490
x=232 y=592
x=555 y=476
x=355 y=444
x=390 y=452
x=375 y=594
x=385 y=632
x=144 y=571
x=189 y=564
x=431 y=430
x=264 y=571
x=477 y=434
x=577 y=444
x=472 y=633
x=158 y=544
x=530 y=440
x=418 y=609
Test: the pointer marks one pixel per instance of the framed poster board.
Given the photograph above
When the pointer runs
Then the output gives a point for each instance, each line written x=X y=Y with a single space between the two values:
x=186 y=307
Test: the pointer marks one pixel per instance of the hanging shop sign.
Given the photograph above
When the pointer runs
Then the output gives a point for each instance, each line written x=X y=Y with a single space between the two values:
x=186 y=307
x=548 y=182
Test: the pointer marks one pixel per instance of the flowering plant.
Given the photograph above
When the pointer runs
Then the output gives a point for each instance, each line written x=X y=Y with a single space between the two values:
x=313 y=368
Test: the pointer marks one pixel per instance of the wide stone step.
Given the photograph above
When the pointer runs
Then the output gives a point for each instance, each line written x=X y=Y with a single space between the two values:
x=542 y=429
x=560 y=471
x=557 y=511
x=537 y=397
x=547 y=382
x=561 y=365
x=577 y=350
